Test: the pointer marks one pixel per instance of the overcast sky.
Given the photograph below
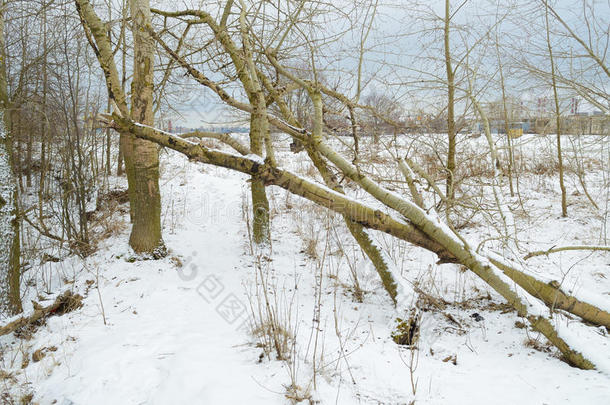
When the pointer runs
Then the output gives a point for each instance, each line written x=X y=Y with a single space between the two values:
x=404 y=48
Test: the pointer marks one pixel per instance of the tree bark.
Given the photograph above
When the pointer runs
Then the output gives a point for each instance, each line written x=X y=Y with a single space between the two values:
x=260 y=203
x=141 y=156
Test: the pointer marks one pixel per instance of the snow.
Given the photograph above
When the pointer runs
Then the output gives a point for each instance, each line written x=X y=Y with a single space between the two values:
x=254 y=158
x=176 y=329
x=163 y=341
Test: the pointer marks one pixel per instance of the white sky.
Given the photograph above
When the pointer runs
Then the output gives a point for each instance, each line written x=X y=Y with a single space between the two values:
x=405 y=47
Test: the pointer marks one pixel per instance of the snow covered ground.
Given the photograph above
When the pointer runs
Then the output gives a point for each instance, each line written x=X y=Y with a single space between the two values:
x=177 y=330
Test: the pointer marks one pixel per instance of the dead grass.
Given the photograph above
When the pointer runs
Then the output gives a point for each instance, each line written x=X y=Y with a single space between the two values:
x=310 y=248
x=536 y=344
x=106 y=220
x=271 y=337
x=545 y=168
x=297 y=394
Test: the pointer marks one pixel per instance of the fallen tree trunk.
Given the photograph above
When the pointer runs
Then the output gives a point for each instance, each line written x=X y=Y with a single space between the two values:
x=438 y=232
x=552 y=295
x=425 y=231
x=66 y=302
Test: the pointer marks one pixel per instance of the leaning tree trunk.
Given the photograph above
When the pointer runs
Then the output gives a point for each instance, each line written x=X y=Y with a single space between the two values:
x=141 y=156
x=433 y=235
x=10 y=301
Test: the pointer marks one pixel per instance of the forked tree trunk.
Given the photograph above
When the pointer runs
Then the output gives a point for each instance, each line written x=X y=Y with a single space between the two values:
x=242 y=58
x=141 y=157
x=10 y=269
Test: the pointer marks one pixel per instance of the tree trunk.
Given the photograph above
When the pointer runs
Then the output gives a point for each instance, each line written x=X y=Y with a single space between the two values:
x=259 y=132
x=562 y=187
x=10 y=269
x=119 y=163
x=43 y=125
x=28 y=160
x=141 y=156
x=450 y=110
x=509 y=141
x=260 y=204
